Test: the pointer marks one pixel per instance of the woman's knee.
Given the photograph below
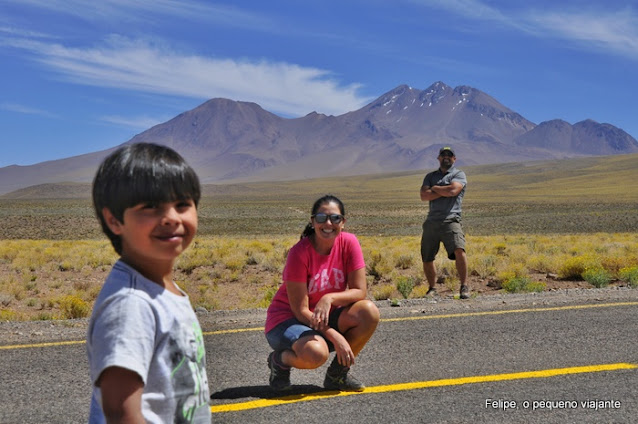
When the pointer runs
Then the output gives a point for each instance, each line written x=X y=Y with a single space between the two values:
x=313 y=352
x=372 y=311
x=365 y=312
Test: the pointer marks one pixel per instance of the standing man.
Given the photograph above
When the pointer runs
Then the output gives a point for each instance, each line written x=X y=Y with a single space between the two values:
x=444 y=189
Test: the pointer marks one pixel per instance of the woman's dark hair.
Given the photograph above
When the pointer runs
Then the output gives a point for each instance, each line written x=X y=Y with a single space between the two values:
x=328 y=198
x=140 y=173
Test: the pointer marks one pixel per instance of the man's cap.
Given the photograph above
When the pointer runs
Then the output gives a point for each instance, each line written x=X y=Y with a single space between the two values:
x=446 y=149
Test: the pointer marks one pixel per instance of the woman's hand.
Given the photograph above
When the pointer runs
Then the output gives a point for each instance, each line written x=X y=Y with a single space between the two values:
x=345 y=356
x=321 y=313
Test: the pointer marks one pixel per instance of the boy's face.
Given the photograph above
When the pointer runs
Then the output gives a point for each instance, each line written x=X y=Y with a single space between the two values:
x=155 y=232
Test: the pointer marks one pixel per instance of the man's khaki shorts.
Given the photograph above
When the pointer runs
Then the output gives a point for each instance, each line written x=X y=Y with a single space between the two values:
x=448 y=232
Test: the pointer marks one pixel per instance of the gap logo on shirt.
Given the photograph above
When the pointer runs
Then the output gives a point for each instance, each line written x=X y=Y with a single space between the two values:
x=322 y=282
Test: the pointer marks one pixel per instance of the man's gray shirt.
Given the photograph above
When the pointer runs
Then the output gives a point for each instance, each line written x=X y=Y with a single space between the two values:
x=445 y=207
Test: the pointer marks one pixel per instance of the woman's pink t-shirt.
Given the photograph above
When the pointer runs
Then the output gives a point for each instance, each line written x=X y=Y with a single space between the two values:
x=321 y=273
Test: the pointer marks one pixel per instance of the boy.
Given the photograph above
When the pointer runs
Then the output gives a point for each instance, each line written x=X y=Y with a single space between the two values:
x=144 y=343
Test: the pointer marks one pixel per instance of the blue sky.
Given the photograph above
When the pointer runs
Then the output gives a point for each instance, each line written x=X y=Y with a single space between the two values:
x=80 y=76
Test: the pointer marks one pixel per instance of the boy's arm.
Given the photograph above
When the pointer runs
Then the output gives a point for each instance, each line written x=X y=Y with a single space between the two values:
x=121 y=395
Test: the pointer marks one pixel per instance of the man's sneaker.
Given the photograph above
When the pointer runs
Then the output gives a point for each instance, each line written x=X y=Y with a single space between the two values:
x=279 y=377
x=431 y=291
x=465 y=292
x=342 y=381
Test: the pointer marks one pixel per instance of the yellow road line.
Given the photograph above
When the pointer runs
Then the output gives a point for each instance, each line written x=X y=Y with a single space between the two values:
x=462 y=314
x=413 y=318
x=232 y=331
x=512 y=311
x=24 y=346
x=286 y=400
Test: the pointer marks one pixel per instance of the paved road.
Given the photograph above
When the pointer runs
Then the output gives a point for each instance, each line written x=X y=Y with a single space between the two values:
x=444 y=362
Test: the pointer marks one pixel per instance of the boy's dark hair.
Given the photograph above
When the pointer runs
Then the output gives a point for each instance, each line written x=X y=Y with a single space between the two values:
x=140 y=173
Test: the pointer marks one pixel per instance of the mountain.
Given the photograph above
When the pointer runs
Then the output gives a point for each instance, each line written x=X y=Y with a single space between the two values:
x=231 y=141
x=587 y=137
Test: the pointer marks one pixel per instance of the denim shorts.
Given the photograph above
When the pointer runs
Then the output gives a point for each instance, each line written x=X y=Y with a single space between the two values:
x=284 y=335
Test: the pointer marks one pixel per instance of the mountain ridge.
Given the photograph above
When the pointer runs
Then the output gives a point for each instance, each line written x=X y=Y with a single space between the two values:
x=235 y=141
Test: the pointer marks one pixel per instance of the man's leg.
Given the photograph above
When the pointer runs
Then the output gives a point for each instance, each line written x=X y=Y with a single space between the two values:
x=430 y=243
x=429 y=269
x=461 y=268
x=461 y=265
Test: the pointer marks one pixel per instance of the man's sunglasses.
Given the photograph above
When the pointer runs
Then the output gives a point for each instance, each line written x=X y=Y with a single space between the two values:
x=448 y=154
x=335 y=218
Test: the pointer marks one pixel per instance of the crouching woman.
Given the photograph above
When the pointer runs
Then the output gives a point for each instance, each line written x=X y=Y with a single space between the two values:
x=322 y=305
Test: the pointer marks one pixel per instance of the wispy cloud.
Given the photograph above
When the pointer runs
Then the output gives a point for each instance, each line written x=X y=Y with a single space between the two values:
x=27 y=110
x=143 y=10
x=152 y=67
x=474 y=9
x=140 y=123
x=614 y=31
x=20 y=32
x=588 y=27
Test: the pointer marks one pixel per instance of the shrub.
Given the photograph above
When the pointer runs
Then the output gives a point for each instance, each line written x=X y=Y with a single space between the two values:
x=380 y=267
x=598 y=277
x=630 y=275
x=500 y=249
x=5 y=299
x=382 y=291
x=612 y=264
x=372 y=259
x=405 y=261
x=523 y=285
x=235 y=262
x=420 y=291
x=268 y=296
x=8 y=315
x=542 y=263
x=405 y=284
x=516 y=271
x=73 y=307
x=452 y=283
x=485 y=266
x=574 y=267
x=42 y=316
x=193 y=259
x=536 y=287
x=65 y=266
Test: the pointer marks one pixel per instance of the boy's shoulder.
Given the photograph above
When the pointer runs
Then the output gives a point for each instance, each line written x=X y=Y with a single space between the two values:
x=127 y=296
x=124 y=276
x=125 y=281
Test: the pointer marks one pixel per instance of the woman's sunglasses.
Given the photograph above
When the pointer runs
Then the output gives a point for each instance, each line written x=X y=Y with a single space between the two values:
x=322 y=217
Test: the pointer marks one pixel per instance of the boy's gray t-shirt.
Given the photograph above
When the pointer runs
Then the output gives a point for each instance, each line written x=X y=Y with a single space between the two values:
x=138 y=325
